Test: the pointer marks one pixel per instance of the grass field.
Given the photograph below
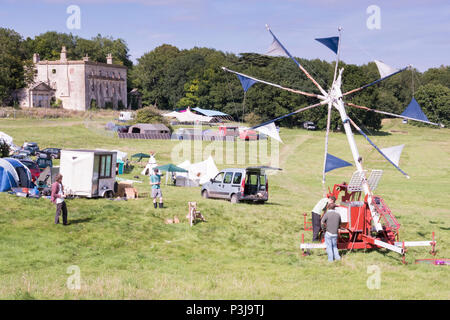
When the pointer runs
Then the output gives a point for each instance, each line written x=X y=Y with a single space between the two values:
x=125 y=251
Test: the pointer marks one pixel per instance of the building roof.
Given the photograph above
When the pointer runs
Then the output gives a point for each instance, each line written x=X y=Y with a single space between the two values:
x=210 y=113
x=150 y=126
x=57 y=62
x=41 y=86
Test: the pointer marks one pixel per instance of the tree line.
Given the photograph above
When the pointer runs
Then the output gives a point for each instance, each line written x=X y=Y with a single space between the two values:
x=170 y=78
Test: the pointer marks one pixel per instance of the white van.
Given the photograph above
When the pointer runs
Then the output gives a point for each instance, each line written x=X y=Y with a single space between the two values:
x=239 y=184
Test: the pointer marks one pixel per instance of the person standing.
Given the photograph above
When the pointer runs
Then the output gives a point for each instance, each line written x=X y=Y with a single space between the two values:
x=155 y=182
x=57 y=197
x=331 y=222
x=317 y=214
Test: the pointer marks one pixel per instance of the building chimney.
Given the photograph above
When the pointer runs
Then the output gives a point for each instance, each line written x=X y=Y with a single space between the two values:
x=36 y=58
x=109 y=58
x=63 y=54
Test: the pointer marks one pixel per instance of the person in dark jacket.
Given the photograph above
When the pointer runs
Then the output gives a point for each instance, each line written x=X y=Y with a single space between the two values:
x=57 y=198
x=331 y=221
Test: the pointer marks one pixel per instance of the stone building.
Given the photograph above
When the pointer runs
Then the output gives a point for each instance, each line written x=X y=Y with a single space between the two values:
x=79 y=84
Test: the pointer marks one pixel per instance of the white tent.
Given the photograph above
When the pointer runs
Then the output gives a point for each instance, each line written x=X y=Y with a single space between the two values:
x=121 y=155
x=199 y=172
x=188 y=116
x=150 y=165
x=6 y=138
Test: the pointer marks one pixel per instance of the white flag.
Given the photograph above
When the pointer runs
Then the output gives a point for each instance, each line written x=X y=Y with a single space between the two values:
x=270 y=130
x=393 y=153
x=384 y=69
x=276 y=49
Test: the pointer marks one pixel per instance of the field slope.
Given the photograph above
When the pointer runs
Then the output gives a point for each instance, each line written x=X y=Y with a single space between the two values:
x=125 y=251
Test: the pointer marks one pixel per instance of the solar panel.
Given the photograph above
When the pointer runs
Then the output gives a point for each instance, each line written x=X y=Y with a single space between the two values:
x=355 y=183
x=374 y=178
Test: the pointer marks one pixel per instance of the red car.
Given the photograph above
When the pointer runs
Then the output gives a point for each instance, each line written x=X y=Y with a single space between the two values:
x=34 y=168
x=249 y=135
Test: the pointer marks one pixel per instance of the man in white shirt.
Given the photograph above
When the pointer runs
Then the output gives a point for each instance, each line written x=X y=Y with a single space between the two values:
x=317 y=213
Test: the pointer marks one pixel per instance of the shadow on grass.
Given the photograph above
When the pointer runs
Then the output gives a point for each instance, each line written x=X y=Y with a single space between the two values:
x=83 y=220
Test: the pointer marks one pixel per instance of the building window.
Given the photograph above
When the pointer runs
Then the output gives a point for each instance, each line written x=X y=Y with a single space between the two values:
x=53 y=71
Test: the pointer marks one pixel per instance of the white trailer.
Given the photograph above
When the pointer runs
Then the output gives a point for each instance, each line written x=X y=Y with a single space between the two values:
x=88 y=173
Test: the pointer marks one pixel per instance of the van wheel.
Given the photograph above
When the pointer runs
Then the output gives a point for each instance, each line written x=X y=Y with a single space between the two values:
x=205 y=194
x=234 y=199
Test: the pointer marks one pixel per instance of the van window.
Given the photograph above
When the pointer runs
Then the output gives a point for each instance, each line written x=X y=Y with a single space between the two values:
x=228 y=177
x=237 y=178
x=262 y=180
x=252 y=178
x=219 y=177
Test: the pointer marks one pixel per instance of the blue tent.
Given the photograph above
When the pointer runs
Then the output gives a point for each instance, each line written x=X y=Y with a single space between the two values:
x=23 y=173
x=8 y=176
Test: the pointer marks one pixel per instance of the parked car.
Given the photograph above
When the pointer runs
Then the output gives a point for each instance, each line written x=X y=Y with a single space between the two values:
x=21 y=156
x=229 y=131
x=25 y=152
x=239 y=184
x=33 y=146
x=44 y=160
x=54 y=153
x=309 y=125
x=248 y=135
x=34 y=168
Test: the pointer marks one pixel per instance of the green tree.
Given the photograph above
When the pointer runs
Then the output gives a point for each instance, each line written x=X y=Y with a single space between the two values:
x=151 y=114
x=15 y=70
x=434 y=100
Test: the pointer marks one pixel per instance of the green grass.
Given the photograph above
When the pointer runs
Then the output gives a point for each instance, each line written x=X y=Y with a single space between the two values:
x=125 y=251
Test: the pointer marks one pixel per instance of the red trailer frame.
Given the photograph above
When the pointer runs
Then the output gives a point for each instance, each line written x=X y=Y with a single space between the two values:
x=356 y=231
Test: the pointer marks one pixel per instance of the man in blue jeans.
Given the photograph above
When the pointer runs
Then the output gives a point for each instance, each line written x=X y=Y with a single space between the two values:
x=331 y=222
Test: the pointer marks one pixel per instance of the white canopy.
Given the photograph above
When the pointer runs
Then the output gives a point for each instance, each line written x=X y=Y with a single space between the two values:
x=188 y=116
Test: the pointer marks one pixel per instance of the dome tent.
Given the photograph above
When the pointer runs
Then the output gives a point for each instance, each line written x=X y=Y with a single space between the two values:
x=8 y=176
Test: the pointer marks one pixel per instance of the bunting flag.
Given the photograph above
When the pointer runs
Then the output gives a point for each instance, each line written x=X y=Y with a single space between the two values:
x=332 y=43
x=384 y=69
x=393 y=153
x=276 y=49
x=414 y=111
x=270 y=130
x=333 y=162
x=246 y=82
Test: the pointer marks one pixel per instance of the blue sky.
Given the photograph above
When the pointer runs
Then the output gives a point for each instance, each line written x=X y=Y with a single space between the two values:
x=411 y=32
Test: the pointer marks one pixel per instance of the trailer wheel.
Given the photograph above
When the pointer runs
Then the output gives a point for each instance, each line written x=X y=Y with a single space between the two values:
x=234 y=198
x=108 y=194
